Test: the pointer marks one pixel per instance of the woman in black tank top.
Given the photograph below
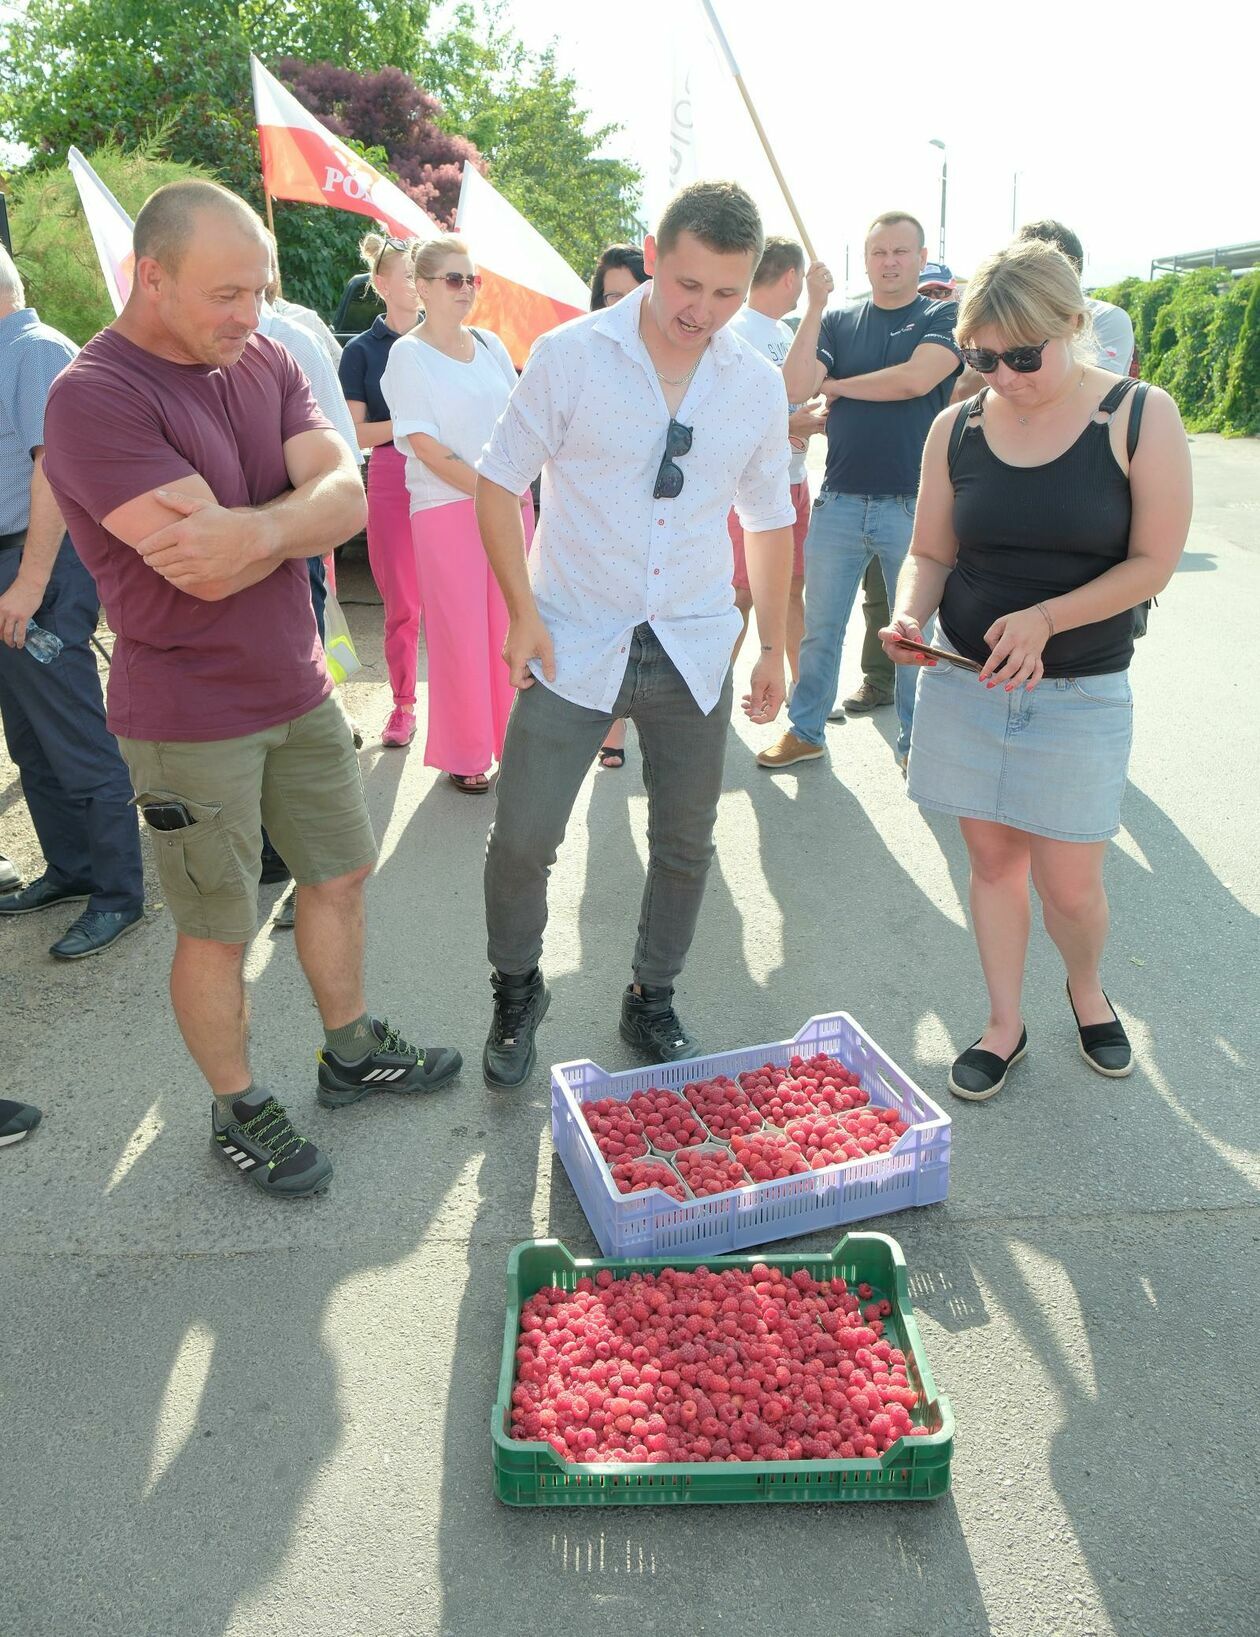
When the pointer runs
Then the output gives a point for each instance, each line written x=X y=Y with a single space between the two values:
x=1041 y=525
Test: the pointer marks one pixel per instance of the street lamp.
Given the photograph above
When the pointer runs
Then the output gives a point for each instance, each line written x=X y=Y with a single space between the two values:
x=935 y=142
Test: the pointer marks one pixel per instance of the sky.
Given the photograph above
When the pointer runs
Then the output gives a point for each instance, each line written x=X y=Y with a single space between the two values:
x=1130 y=122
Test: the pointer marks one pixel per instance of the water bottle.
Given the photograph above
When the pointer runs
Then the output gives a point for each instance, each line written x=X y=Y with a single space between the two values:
x=42 y=645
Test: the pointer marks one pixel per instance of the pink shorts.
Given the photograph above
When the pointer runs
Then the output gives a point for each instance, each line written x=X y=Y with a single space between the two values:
x=800 y=499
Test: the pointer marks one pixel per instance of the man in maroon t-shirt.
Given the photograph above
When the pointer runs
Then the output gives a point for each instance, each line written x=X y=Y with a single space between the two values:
x=197 y=475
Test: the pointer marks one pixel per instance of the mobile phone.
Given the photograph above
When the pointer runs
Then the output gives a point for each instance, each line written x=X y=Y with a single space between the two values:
x=938 y=653
x=167 y=815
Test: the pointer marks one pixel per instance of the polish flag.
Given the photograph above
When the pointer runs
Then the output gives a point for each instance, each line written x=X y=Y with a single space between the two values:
x=527 y=286
x=303 y=161
x=110 y=227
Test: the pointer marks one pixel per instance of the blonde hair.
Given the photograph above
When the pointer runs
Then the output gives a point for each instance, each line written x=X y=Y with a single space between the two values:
x=373 y=249
x=429 y=254
x=1029 y=292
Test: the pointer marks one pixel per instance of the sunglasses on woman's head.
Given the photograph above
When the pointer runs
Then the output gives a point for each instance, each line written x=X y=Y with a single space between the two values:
x=669 y=479
x=457 y=281
x=1023 y=360
x=390 y=244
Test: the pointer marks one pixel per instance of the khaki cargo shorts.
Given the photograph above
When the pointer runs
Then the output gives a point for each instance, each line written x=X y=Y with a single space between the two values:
x=301 y=779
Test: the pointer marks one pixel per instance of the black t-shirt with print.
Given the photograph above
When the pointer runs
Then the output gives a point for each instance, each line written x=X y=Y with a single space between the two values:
x=876 y=448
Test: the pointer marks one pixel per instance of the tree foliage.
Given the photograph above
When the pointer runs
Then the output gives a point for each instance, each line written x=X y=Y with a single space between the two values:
x=51 y=242
x=1198 y=336
x=416 y=102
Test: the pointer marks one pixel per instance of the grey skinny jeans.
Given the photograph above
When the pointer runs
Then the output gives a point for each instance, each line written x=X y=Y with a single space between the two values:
x=550 y=746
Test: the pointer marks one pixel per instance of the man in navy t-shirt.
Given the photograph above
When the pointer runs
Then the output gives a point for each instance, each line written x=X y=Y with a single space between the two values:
x=885 y=365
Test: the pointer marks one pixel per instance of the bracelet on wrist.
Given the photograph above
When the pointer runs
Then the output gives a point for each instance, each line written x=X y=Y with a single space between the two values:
x=1045 y=614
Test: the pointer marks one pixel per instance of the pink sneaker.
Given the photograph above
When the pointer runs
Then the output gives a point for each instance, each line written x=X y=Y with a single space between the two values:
x=401 y=727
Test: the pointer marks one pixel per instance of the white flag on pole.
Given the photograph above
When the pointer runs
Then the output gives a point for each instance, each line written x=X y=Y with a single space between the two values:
x=110 y=227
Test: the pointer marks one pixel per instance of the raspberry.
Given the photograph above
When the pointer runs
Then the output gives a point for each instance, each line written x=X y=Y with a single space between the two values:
x=617 y=1133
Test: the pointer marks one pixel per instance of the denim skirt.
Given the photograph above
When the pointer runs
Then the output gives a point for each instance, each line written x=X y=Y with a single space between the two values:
x=1053 y=761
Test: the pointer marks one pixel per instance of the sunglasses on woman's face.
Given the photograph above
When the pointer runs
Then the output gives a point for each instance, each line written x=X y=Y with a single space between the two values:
x=390 y=244
x=669 y=479
x=1023 y=360
x=457 y=281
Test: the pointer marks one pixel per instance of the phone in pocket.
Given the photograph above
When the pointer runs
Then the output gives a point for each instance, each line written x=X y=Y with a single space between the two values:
x=167 y=815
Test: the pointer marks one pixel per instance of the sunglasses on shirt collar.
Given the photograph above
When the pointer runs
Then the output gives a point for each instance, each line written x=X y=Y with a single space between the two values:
x=1023 y=360
x=669 y=479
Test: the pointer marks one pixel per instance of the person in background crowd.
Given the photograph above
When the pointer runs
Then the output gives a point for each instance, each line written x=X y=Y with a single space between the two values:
x=620 y=273
x=885 y=365
x=936 y=283
x=644 y=420
x=192 y=464
x=305 y=347
x=73 y=778
x=1113 y=328
x=309 y=319
x=390 y=549
x=1043 y=520
x=446 y=384
x=776 y=289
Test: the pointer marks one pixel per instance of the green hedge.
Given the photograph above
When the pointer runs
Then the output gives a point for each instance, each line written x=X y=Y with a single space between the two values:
x=1198 y=337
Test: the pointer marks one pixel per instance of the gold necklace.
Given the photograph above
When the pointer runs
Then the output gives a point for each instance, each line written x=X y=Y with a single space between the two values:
x=669 y=379
x=1023 y=419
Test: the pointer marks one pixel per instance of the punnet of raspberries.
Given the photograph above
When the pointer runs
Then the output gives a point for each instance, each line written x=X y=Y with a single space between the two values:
x=723 y=1106
x=710 y=1171
x=637 y=1176
x=617 y=1133
x=741 y=1365
x=830 y=1087
x=775 y=1095
x=667 y=1121
x=829 y=1139
x=768 y=1157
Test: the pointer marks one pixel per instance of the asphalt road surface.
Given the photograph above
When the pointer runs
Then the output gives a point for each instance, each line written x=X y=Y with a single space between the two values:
x=225 y=1415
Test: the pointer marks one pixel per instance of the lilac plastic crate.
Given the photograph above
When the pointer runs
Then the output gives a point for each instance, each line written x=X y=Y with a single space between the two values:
x=914 y=1172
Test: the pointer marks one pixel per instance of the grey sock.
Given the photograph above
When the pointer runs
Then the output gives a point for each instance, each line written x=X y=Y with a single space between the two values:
x=353 y=1041
x=224 y=1106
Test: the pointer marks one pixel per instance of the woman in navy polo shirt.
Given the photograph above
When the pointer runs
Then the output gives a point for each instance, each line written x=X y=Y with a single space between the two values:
x=390 y=551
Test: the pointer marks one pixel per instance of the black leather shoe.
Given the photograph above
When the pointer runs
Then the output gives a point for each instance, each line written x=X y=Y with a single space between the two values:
x=977 y=1075
x=41 y=894
x=520 y=1004
x=10 y=875
x=650 y=1023
x=1104 y=1046
x=93 y=931
x=17 y=1120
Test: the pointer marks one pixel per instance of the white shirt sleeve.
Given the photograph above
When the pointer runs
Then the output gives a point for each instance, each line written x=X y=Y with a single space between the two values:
x=1113 y=329
x=532 y=426
x=763 y=495
x=501 y=356
x=315 y=364
x=407 y=389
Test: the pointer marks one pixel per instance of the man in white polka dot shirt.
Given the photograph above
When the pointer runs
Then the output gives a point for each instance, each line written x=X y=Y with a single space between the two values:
x=646 y=420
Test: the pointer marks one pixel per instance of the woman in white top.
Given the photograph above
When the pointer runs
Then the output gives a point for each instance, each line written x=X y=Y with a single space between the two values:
x=446 y=385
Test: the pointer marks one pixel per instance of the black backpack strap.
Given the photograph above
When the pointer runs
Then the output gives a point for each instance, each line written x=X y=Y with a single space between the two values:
x=956 y=432
x=1140 y=389
x=1116 y=396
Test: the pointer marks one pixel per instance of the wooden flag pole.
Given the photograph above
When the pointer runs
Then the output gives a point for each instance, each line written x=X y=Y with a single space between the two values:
x=759 y=127
x=271 y=228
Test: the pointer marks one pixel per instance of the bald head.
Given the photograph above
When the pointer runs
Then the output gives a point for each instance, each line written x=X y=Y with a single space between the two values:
x=175 y=215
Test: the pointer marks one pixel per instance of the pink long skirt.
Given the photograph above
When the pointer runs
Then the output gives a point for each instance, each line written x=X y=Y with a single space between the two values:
x=393 y=559
x=465 y=622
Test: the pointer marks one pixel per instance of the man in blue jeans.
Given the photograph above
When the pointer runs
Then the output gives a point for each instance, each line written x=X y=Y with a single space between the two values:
x=885 y=365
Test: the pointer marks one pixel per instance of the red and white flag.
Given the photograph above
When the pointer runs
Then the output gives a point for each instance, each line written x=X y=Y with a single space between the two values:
x=303 y=161
x=110 y=227
x=527 y=286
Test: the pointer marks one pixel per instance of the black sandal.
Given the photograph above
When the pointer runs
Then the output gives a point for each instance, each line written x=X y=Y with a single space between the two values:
x=612 y=757
x=470 y=784
x=1104 y=1046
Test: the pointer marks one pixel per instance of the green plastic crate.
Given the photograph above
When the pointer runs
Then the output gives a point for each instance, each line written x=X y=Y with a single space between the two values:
x=914 y=1469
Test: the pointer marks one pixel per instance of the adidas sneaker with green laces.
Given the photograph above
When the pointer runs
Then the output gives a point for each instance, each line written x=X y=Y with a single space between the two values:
x=396 y=1065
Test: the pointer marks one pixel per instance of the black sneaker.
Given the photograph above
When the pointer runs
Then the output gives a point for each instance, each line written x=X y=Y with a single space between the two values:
x=395 y=1065
x=520 y=1004
x=650 y=1024
x=17 y=1120
x=261 y=1143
